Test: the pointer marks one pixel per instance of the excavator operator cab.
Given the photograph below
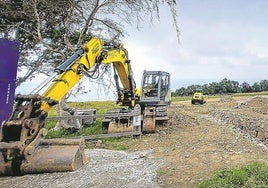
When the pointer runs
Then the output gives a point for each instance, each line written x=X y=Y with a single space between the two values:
x=150 y=86
x=155 y=88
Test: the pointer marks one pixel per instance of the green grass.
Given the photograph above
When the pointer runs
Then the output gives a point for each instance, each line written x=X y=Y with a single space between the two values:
x=251 y=94
x=185 y=98
x=101 y=108
x=95 y=128
x=116 y=143
x=162 y=171
x=252 y=175
x=177 y=99
x=108 y=143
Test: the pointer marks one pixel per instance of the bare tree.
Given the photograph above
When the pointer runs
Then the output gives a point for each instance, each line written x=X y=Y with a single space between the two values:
x=50 y=31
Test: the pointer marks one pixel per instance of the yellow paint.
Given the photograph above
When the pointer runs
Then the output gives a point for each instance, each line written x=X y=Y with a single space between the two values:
x=93 y=51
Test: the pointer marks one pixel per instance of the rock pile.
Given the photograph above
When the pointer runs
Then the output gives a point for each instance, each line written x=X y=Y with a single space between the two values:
x=258 y=104
x=253 y=126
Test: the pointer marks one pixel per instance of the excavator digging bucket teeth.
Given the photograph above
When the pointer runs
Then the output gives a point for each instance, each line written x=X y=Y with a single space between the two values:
x=50 y=155
x=118 y=121
x=123 y=120
x=117 y=127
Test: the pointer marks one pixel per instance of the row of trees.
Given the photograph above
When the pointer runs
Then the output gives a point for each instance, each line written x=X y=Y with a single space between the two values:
x=224 y=86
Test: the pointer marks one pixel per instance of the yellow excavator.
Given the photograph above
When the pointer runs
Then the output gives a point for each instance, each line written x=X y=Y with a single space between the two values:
x=23 y=147
x=150 y=110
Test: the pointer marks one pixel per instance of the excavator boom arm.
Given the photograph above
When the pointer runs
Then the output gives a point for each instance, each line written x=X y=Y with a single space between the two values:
x=92 y=53
x=23 y=148
x=72 y=70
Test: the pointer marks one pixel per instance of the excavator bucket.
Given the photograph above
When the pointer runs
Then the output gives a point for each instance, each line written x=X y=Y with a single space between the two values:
x=42 y=155
x=121 y=120
x=24 y=149
x=118 y=126
x=117 y=121
x=55 y=155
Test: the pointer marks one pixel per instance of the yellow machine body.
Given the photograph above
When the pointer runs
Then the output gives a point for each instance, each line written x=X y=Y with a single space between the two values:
x=23 y=147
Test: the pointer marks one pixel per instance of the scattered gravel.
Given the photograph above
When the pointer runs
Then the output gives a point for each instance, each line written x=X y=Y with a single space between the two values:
x=198 y=141
x=248 y=123
x=106 y=168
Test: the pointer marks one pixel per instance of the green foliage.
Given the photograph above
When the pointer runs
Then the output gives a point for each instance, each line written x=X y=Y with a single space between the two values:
x=162 y=171
x=50 y=124
x=101 y=106
x=182 y=98
x=51 y=30
x=224 y=86
x=252 y=175
x=121 y=147
x=116 y=143
x=95 y=128
x=58 y=134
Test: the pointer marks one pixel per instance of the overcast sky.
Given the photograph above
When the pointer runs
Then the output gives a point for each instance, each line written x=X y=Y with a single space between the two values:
x=218 y=39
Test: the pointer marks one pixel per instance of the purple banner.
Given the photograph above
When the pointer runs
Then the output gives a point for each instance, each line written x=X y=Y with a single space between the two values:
x=9 y=56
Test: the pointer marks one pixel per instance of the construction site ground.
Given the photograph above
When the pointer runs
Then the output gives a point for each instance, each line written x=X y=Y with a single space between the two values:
x=198 y=141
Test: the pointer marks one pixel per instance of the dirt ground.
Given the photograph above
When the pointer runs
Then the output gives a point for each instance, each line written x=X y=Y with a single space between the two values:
x=198 y=141
x=202 y=139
